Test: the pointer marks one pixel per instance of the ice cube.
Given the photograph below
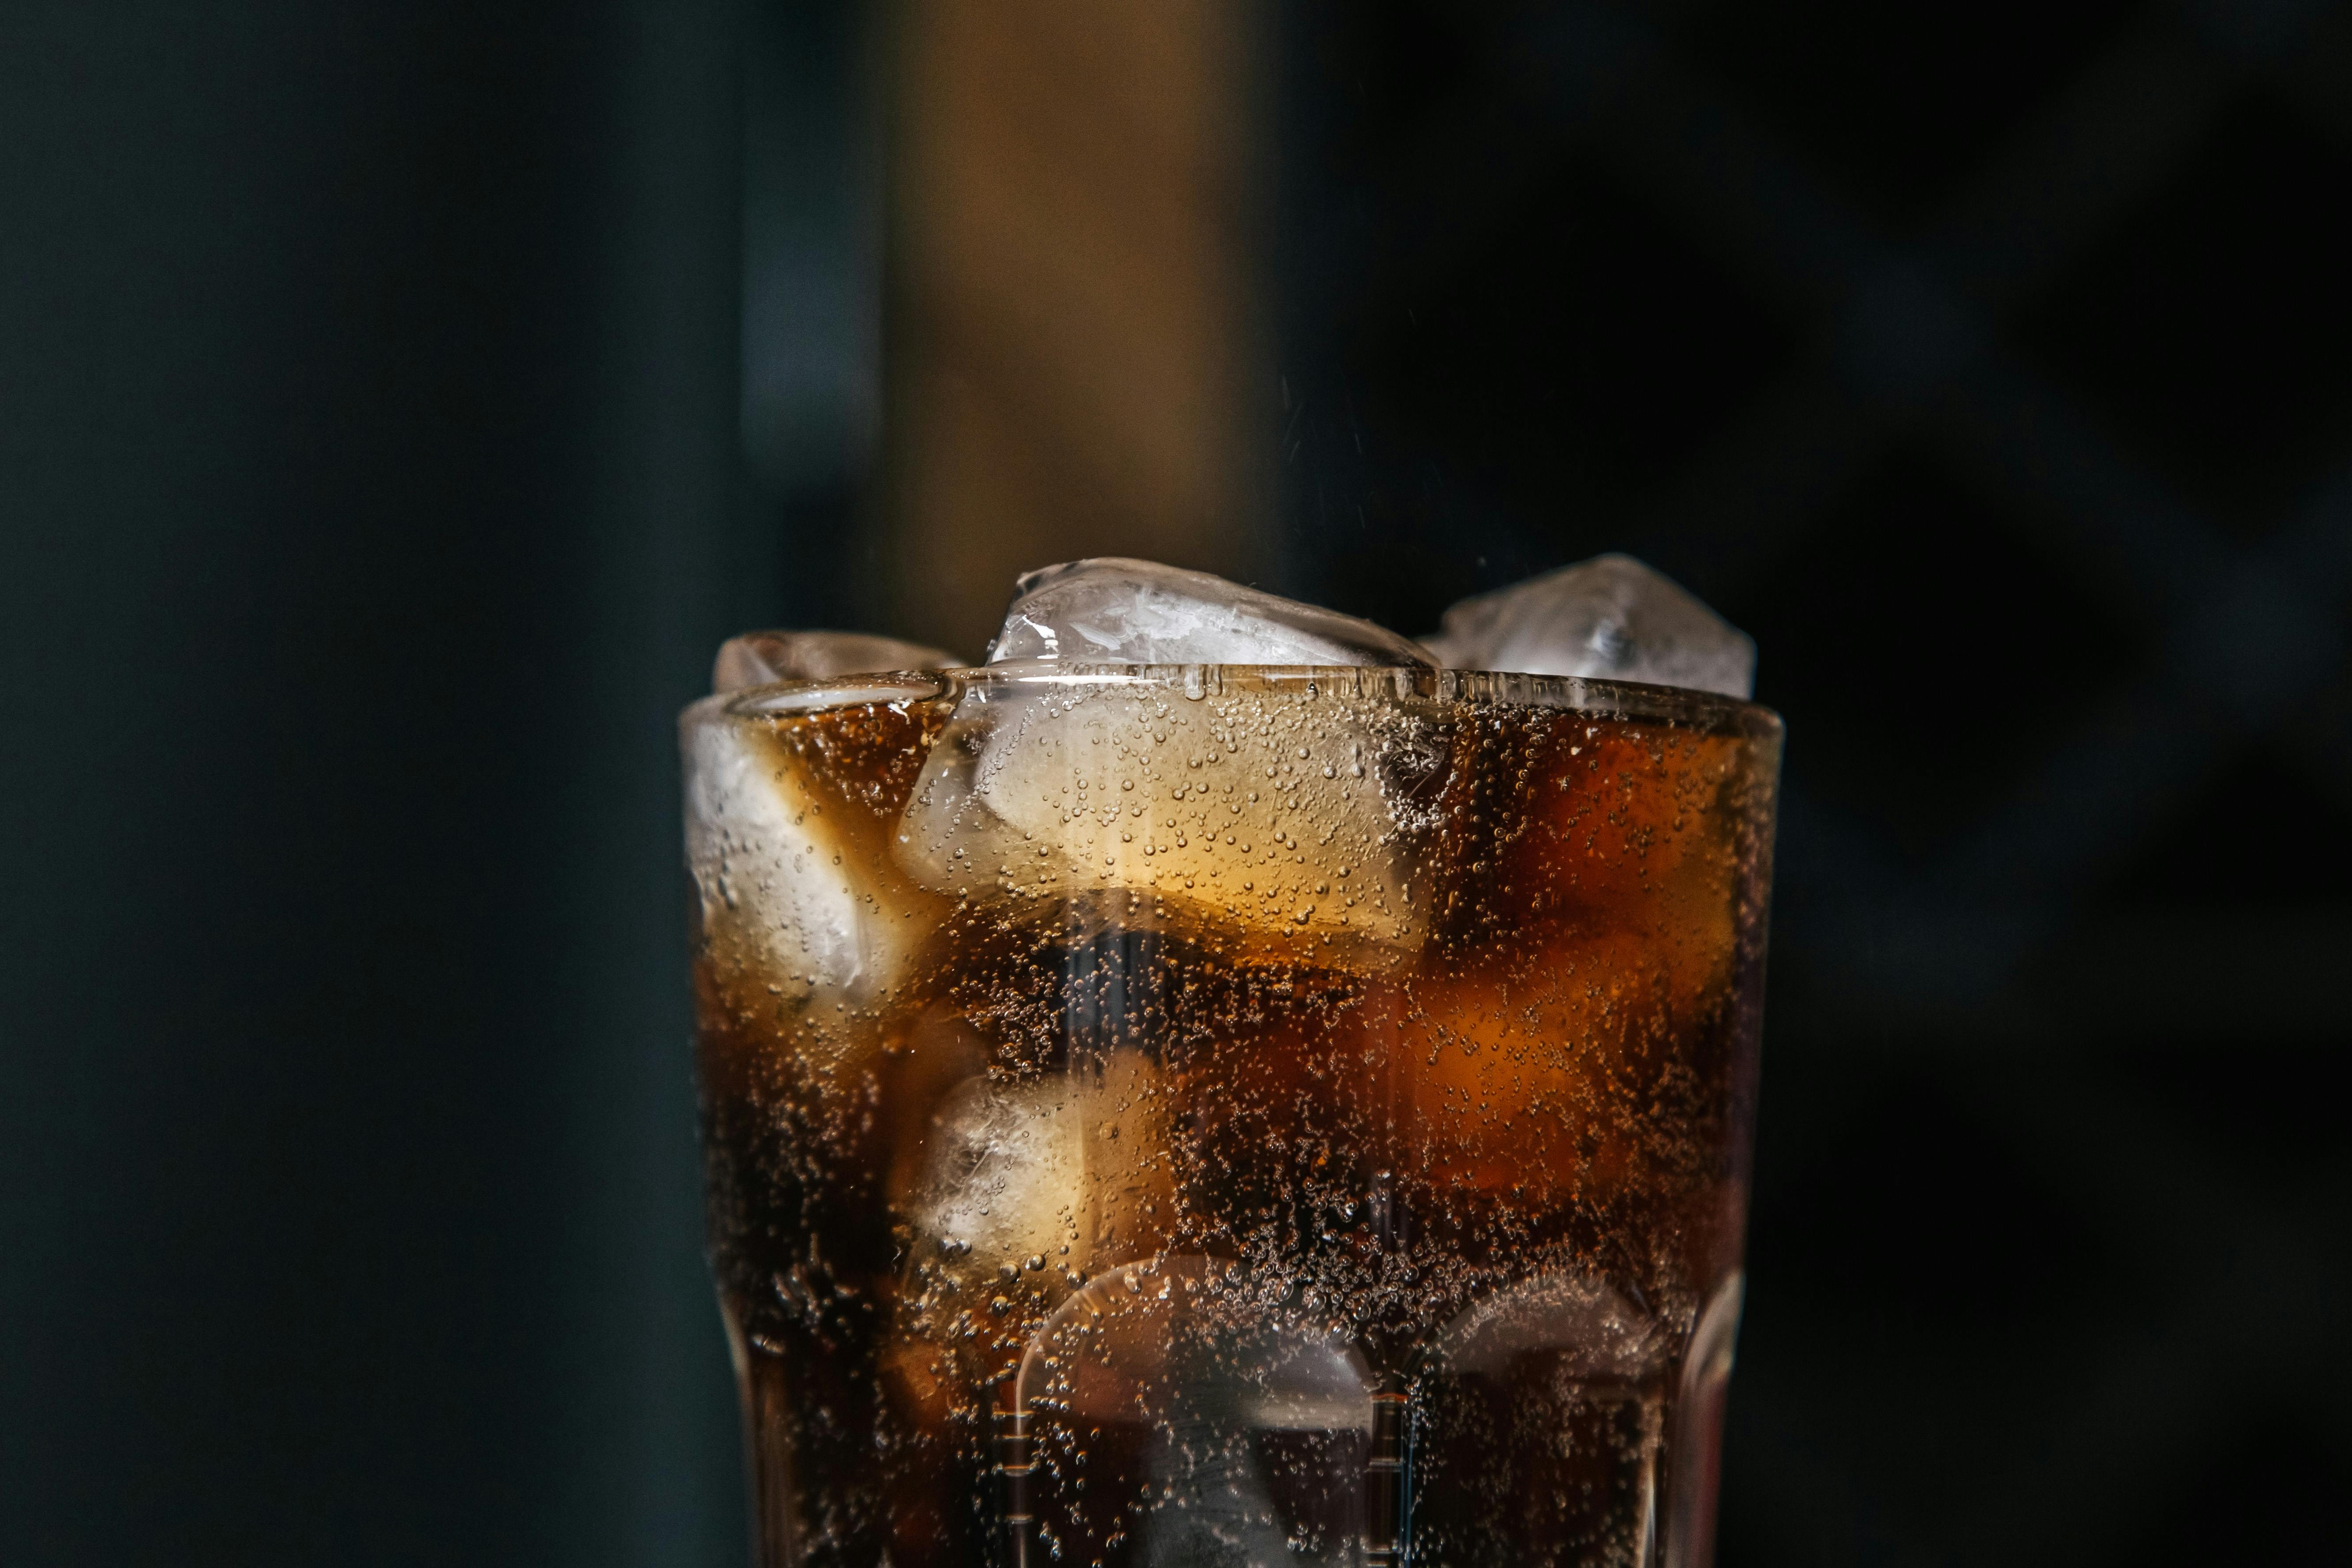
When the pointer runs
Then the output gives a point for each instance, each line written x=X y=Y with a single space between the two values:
x=1004 y=1177
x=1610 y=617
x=1019 y=1190
x=1112 y=610
x=1062 y=1166
x=761 y=658
x=1272 y=813
x=800 y=900
x=1275 y=816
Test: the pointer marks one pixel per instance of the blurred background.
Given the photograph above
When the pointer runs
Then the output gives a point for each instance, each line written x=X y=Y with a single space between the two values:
x=398 y=402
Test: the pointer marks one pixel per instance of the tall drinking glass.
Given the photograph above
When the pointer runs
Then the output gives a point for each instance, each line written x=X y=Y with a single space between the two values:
x=1223 y=1115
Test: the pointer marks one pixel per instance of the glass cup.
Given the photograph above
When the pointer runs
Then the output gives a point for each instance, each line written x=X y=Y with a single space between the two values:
x=1229 y=1115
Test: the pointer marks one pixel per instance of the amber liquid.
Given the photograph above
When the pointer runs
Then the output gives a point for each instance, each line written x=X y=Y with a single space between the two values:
x=1359 y=1180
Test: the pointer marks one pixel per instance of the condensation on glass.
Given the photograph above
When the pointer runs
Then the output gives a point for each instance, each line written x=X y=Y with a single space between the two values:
x=1214 y=1115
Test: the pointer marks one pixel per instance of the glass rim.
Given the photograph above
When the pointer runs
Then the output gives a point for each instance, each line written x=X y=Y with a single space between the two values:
x=1396 y=683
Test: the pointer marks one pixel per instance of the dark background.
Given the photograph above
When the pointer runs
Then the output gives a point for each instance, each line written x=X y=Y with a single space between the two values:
x=372 y=489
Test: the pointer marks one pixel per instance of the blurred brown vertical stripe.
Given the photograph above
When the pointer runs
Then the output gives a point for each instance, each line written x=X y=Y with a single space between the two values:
x=1075 y=365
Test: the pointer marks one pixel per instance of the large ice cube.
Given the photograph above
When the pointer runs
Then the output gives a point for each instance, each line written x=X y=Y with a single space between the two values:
x=1610 y=617
x=1112 y=610
x=761 y=658
x=1282 y=815
x=1276 y=815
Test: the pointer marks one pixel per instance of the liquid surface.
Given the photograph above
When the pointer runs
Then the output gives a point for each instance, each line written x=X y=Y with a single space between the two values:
x=1240 y=1123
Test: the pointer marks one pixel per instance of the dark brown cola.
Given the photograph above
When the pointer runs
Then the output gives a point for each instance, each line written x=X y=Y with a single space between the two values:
x=1230 y=1117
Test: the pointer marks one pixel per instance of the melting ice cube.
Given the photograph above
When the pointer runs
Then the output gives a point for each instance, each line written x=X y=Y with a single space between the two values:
x=781 y=895
x=1112 y=610
x=761 y=658
x=1282 y=818
x=1066 y=1167
x=1003 y=1178
x=1610 y=617
x=1277 y=815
